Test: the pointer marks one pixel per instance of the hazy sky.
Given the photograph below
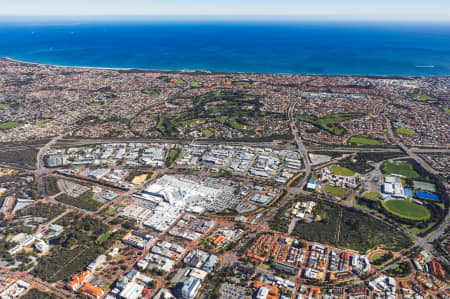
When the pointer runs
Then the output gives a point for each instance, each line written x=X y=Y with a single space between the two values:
x=432 y=10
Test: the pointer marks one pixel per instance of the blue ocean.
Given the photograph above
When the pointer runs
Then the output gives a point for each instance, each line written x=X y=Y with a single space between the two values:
x=231 y=46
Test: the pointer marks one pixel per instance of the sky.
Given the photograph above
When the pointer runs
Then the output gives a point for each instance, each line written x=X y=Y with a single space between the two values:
x=411 y=10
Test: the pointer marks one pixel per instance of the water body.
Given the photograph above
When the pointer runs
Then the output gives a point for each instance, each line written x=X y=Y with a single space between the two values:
x=266 y=47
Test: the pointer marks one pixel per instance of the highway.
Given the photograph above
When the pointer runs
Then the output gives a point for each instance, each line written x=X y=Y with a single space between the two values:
x=300 y=146
x=301 y=149
x=41 y=170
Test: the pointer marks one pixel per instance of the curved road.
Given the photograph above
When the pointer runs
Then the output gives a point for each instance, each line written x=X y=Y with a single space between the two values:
x=41 y=170
x=423 y=242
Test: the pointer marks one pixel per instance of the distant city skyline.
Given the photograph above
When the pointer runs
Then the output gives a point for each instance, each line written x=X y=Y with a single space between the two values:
x=399 y=10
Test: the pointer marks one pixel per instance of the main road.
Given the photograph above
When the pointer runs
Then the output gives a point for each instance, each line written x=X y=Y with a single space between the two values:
x=300 y=146
x=41 y=170
x=410 y=152
x=427 y=240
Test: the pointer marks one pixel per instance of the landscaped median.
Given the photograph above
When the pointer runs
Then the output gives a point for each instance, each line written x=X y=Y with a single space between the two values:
x=407 y=209
x=371 y=195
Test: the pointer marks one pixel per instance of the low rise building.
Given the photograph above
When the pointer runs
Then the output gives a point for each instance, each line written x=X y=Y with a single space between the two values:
x=190 y=288
x=91 y=291
x=132 y=290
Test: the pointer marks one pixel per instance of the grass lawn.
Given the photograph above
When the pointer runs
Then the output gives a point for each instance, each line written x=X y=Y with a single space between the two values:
x=404 y=131
x=330 y=122
x=405 y=169
x=424 y=98
x=194 y=121
x=95 y=104
x=363 y=140
x=380 y=258
x=207 y=133
x=9 y=125
x=377 y=256
x=109 y=212
x=371 y=195
x=180 y=82
x=335 y=190
x=151 y=91
x=402 y=270
x=4 y=106
x=195 y=84
x=172 y=156
x=51 y=185
x=235 y=123
x=417 y=230
x=407 y=209
x=85 y=201
x=104 y=237
x=167 y=126
x=342 y=171
x=241 y=83
x=42 y=122
x=447 y=110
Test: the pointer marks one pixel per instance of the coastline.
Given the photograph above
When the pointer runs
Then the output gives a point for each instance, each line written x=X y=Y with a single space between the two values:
x=71 y=66
x=204 y=72
x=131 y=68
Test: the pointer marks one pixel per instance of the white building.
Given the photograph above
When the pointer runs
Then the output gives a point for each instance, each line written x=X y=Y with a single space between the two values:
x=41 y=246
x=132 y=290
x=393 y=186
x=97 y=262
x=263 y=292
x=190 y=288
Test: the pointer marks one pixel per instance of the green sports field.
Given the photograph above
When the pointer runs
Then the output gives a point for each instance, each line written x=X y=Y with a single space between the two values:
x=339 y=170
x=335 y=190
x=403 y=168
x=407 y=209
x=9 y=125
x=424 y=98
x=241 y=82
x=364 y=141
x=195 y=84
x=404 y=131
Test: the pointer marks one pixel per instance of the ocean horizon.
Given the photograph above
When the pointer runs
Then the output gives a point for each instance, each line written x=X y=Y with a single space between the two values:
x=319 y=48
